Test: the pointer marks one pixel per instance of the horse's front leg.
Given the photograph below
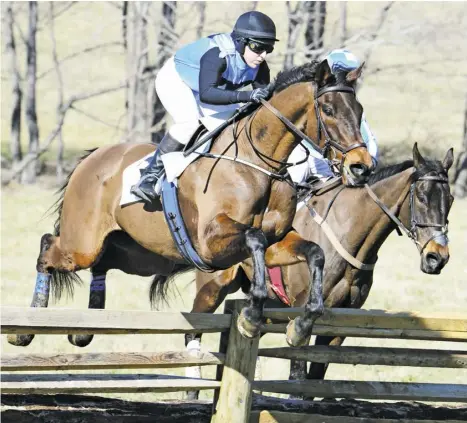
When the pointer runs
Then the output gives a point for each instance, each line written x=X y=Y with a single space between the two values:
x=229 y=242
x=294 y=249
x=251 y=317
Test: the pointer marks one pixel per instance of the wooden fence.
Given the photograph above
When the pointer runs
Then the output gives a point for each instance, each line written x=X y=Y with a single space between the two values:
x=236 y=357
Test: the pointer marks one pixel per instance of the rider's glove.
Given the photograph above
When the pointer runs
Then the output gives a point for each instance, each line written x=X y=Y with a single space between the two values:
x=259 y=94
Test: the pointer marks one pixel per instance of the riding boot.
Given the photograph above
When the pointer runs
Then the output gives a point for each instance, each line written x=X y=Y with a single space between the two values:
x=145 y=188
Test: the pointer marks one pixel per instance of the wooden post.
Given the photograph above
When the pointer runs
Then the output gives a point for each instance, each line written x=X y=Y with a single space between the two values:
x=234 y=404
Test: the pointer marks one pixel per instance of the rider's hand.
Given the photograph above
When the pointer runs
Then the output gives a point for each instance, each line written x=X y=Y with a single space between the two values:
x=259 y=94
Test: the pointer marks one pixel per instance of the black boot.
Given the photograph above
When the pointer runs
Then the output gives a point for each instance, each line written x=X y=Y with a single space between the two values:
x=144 y=189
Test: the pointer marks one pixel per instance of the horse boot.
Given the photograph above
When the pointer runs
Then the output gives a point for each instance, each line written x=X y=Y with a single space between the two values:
x=145 y=188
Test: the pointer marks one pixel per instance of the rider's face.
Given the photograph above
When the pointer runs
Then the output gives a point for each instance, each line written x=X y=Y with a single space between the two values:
x=254 y=58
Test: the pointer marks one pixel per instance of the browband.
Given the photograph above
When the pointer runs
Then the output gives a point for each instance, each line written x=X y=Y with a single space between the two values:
x=342 y=88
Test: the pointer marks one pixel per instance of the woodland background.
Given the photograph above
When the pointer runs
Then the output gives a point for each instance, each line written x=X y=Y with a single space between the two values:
x=79 y=75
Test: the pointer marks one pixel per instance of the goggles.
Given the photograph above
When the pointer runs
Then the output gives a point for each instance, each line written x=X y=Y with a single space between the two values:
x=258 y=48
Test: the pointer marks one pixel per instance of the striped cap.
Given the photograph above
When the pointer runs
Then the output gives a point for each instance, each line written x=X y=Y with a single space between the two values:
x=342 y=60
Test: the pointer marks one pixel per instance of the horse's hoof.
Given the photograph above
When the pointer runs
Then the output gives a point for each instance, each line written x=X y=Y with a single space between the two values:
x=80 y=340
x=20 y=340
x=293 y=337
x=246 y=328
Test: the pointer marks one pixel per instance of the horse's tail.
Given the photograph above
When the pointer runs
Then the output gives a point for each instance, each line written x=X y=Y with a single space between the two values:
x=57 y=207
x=159 y=287
x=61 y=281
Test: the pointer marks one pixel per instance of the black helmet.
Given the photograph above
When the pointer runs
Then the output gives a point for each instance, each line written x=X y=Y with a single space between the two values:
x=255 y=25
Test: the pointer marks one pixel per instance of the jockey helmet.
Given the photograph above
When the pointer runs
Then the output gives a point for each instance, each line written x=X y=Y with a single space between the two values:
x=255 y=25
x=341 y=60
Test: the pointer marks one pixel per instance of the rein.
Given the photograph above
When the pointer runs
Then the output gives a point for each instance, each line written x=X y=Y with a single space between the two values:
x=281 y=173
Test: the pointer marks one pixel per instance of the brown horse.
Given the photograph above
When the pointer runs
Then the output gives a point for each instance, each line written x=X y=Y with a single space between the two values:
x=417 y=192
x=245 y=211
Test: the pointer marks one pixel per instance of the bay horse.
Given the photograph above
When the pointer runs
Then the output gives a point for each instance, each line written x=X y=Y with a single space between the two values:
x=244 y=211
x=417 y=192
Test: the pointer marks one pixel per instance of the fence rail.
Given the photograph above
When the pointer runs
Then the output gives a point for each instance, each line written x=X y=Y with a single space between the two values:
x=237 y=357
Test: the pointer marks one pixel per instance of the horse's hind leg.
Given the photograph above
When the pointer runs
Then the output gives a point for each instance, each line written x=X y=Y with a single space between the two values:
x=49 y=261
x=56 y=271
x=96 y=301
x=294 y=249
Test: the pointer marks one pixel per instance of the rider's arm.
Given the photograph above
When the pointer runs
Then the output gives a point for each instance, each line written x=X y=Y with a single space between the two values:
x=369 y=138
x=210 y=77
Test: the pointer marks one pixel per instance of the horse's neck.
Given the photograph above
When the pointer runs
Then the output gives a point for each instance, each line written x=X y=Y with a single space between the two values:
x=272 y=136
x=393 y=193
x=358 y=222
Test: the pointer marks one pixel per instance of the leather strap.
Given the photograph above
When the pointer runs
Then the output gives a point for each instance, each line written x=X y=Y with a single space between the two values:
x=336 y=244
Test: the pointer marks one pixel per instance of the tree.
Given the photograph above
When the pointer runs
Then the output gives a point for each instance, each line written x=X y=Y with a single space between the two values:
x=316 y=20
x=167 y=42
x=30 y=172
x=15 y=125
x=295 y=19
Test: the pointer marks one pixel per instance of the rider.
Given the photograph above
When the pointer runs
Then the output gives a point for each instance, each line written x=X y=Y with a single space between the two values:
x=339 y=60
x=203 y=80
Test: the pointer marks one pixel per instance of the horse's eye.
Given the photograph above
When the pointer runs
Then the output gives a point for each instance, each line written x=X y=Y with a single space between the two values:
x=328 y=111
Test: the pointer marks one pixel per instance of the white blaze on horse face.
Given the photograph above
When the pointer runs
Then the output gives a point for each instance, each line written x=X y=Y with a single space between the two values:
x=194 y=349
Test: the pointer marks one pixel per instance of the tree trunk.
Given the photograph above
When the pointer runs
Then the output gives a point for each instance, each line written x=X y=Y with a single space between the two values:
x=167 y=42
x=343 y=23
x=202 y=18
x=60 y=171
x=460 y=175
x=316 y=19
x=137 y=62
x=295 y=18
x=17 y=95
x=30 y=172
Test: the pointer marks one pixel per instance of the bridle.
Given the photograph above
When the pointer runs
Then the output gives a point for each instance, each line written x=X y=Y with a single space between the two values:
x=414 y=222
x=281 y=172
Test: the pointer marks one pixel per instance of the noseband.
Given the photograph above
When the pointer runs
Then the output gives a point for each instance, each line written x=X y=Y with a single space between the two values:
x=414 y=223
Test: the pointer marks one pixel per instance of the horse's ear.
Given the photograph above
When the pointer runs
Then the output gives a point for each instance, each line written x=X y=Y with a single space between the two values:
x=353 y=75
x=323 y=73
x=449 y=159
x=418 y=160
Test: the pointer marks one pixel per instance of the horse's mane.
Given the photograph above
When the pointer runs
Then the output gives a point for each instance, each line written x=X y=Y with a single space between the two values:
x=303 y=73
x=386 y=172
x=58 y=205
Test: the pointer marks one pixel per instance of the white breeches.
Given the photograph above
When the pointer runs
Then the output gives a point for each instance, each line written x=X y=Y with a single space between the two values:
x=184 y=106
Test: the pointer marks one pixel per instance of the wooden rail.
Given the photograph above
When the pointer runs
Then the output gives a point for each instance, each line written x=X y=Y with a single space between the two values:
x=63 y=321
x=372 y=356
x=22 y=362
x=235 y=383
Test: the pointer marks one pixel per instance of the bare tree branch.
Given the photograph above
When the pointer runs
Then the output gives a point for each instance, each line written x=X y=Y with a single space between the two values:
x=32 y=156
x=202 y=18
x=78 y=53
x=296 y=19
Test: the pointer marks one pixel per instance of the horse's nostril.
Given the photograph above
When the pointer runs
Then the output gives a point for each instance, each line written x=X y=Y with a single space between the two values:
x=359 y=169
x=433 y=259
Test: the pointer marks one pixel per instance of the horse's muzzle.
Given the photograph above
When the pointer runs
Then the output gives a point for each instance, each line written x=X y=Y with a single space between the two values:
x=357 y=174
x=432 y=262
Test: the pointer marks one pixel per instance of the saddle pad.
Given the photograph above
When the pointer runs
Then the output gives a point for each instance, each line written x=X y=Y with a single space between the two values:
x=174 y=164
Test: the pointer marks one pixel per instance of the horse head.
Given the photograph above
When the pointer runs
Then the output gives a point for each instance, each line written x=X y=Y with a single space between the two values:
x=339 y=114
x=429 y=204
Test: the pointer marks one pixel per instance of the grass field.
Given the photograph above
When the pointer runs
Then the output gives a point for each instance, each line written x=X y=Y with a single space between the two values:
x=414 y=90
